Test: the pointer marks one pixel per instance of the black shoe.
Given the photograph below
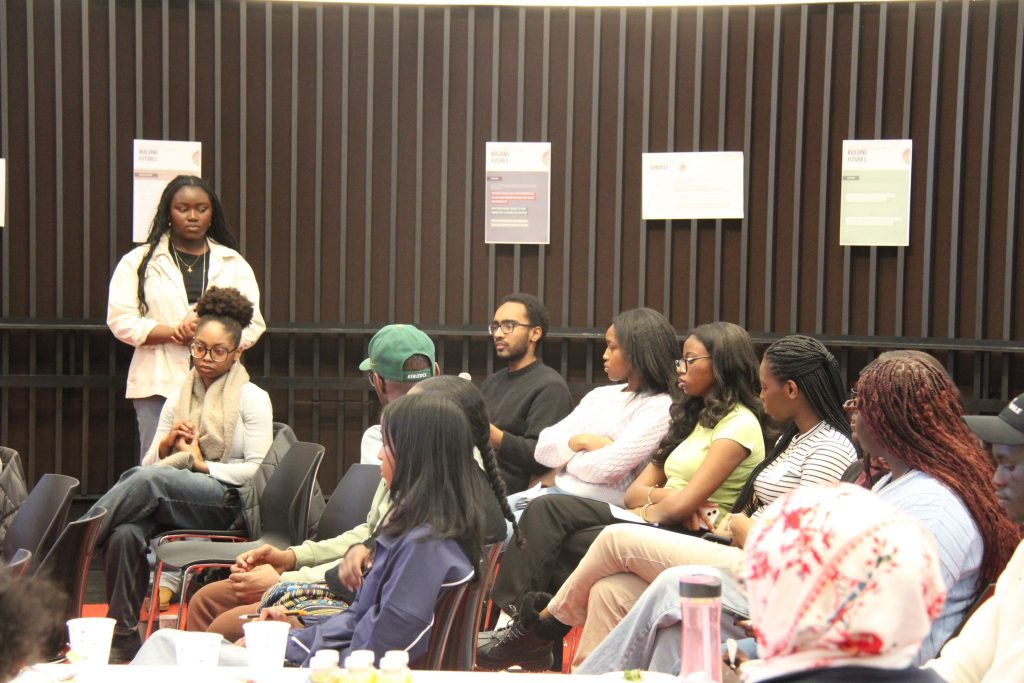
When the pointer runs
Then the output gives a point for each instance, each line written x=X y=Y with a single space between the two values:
x=125 y=646
x=527 y=641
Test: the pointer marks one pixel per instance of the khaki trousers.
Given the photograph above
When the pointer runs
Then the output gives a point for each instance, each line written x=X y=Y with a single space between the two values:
x=617 y=568
x=215 y=608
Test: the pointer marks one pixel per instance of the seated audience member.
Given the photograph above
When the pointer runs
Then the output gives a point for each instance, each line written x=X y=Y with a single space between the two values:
x=842 y=586
x=210 y=440
x=911 y=418
x=714 y=442
x=304 y=575
x=432 y=539
x=399 y=357
x=990 y=648
x=802 y=389
x=31 y=617
x=526 y=396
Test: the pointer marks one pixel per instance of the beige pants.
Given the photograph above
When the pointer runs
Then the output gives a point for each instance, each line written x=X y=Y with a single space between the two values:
x=619 y=566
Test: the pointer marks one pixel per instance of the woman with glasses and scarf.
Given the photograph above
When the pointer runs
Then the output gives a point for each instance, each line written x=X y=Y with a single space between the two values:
x=212 y=435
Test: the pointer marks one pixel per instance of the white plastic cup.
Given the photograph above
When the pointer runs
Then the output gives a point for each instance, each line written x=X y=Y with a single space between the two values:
x=90 y=639
x=265 y=642
x=197 y=649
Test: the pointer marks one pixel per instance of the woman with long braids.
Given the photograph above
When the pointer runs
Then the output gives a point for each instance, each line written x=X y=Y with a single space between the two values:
x=802 y=389
x=151 y=302
x=713 y=443
x=911 y=417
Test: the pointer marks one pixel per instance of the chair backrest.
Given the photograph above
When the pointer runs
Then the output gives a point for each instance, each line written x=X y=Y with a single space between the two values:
x=284 y=505
x=19 y=562
x=452 y=601
x=350 y=503
x=67 y=563
x=13 y=491
x=41 y=517
x=460 y=649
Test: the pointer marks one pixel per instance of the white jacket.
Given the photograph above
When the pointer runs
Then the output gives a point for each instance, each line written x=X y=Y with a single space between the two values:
x=159 y=369
x=990 y=647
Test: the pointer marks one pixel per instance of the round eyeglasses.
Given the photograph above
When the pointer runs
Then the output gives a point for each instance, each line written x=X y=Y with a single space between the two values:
x=218 y=354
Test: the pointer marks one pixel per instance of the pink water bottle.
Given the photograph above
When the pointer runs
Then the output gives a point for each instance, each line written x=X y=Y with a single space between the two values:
x=700 y=608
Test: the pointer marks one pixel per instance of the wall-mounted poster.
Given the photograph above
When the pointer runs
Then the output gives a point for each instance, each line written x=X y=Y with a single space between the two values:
x=874 y=208
x=518 y=206
x=156 y=163
x=692 y=185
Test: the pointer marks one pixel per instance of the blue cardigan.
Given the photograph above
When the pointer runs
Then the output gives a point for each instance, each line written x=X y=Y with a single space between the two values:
x=394 y=608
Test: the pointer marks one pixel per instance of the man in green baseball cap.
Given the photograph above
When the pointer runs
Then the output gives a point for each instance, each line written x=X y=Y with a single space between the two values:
x=400 y=356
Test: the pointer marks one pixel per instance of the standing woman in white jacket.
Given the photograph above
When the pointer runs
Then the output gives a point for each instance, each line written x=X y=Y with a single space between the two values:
x=151 y=303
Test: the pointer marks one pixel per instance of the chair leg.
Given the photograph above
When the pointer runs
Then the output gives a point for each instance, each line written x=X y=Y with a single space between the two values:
x=154 y=598
x=570 y=644
x=186 y=584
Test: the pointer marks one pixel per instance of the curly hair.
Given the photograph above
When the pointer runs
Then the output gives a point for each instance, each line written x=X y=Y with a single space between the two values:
x=31 y=618
x=229 y=307
x=219 y=230
x=469 y=398
x=915 y=410
x=736 y=383
x=815 y=371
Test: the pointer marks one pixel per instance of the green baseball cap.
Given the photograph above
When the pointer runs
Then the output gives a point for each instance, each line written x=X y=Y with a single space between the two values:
x=392 y=346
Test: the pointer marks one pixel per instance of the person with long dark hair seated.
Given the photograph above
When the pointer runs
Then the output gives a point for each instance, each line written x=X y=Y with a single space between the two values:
x=154 y=289
x=714 y=442
x=432 y=538
x=598 y=449
x=212 y=435
x=802 y=390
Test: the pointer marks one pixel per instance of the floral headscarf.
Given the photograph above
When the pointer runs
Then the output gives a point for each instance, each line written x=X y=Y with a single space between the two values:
x=836 y=576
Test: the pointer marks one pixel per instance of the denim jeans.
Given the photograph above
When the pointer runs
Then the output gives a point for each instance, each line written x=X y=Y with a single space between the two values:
x=649 y=637
x=145 y=501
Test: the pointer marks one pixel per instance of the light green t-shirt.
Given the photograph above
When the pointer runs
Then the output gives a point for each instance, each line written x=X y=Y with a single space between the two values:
x=740 y=425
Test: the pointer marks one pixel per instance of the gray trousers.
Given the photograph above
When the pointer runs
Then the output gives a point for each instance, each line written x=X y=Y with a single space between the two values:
x=145 y=501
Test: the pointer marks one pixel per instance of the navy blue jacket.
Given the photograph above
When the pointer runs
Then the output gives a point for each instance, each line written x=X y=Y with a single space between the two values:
x=394 y=608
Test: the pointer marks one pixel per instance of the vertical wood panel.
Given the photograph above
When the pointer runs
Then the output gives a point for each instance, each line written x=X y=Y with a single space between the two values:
x=347 y=143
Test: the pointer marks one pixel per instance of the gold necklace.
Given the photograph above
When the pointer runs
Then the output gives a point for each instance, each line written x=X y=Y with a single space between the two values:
x=188 y=266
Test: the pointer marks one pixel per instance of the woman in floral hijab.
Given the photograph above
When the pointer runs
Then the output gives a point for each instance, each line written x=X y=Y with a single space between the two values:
x=842 y=587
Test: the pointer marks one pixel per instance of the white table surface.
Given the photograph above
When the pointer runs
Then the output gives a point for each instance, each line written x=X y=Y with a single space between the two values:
x=65 y=673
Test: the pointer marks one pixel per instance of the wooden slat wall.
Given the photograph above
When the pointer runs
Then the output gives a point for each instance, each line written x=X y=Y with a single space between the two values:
x=347 y=144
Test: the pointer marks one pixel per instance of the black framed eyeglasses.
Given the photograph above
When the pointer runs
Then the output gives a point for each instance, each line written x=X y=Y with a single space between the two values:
x=218 y=354
x=683 y=364
x=506 y=326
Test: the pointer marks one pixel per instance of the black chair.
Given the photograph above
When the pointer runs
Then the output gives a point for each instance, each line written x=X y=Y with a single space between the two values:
x=67 y=565
x=350 y=503
x=41 y=517
x=452 y=601
x=19 y=562
x=460 y=649
x=284 y=511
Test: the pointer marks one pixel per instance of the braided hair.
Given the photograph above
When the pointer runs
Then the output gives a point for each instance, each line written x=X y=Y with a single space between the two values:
x=815 y=371
x=915 y=411
x=736 y=383
x=219 y=230
x=469 y=398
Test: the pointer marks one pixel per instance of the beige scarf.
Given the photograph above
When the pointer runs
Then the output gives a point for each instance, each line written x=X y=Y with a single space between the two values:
x=214 y=409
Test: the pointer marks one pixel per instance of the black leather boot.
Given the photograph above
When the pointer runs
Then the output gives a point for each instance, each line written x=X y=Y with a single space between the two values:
x=527 y=641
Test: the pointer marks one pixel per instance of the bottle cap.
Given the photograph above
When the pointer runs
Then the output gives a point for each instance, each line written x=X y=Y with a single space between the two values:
x=362 y=657
x=333 y=656
x=700 y=586
x=399 y=655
